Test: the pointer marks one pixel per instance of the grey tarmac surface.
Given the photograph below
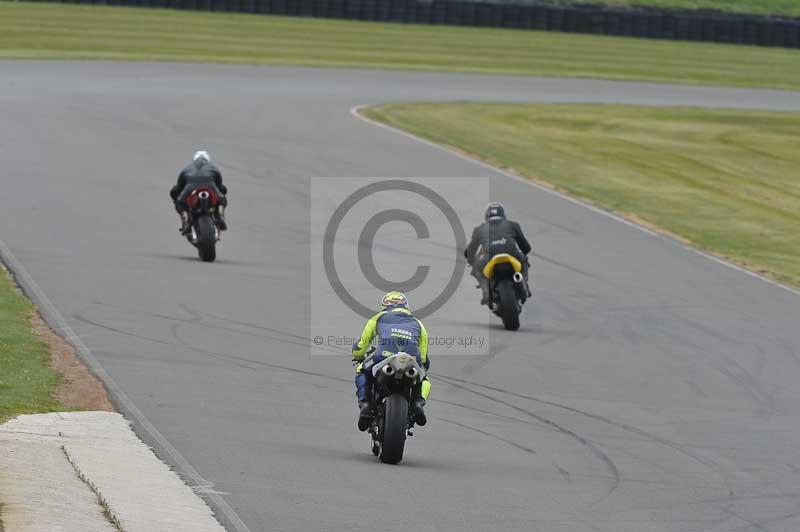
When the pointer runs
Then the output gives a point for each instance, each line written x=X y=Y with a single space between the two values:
x=650 y=389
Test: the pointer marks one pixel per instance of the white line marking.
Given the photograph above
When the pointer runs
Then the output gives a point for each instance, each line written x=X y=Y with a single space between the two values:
x=355 y=111
x=55 y=320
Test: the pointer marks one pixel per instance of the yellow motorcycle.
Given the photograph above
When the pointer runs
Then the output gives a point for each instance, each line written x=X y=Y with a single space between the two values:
x=507 y=290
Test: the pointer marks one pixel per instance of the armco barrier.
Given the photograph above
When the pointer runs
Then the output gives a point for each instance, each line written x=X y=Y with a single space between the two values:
x=597 y=19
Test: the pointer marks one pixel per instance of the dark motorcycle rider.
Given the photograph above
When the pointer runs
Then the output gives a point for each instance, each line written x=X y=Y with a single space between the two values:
x=200 y=172
x=394 y=329
x=496 y=235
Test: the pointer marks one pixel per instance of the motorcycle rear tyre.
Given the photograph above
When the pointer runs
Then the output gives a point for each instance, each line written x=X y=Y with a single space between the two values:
x=206 y=239
x=509 y=305
x=395 y=423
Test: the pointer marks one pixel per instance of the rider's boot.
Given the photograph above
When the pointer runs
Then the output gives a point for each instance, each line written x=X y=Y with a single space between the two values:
x=364 y=415
x=482 y=284
x=484 y=292
x=364 y=396
x=420 y=394
x=418 y=407
x=185 y=227
x=525 y=272
x=221 y=218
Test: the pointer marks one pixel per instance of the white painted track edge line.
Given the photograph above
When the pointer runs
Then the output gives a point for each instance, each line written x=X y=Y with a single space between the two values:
x=355 y=111
x=57 y=322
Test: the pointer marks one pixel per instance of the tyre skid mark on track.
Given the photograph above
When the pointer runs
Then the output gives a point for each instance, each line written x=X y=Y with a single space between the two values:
x=81 y=318
x=538 y=425
x=487 y=412
x=725 y=504
x=196 y=319
x=591 y=446
x=489 y=434
x=711 y=465
x=564 y=473
x=652 y=463
x=265 y=180
x=739 y=375
x=481 y=361
x=216 y=354
x=568 y=267
x=256 y=326
x=271 y=365
x=750 y=523
x=761 y=524
x=173 y=330
x=726 y=365
x=301 y=340
x=530 y=213
x=195 y=316
x=776 y=520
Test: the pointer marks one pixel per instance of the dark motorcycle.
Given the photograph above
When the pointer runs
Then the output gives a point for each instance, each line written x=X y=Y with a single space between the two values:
x=392 y=390
x=203 y=234
x=507 y=291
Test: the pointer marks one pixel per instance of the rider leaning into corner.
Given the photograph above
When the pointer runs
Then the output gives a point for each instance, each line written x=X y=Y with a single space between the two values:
x=394 y=329
x=200 y=172
x=496 y=235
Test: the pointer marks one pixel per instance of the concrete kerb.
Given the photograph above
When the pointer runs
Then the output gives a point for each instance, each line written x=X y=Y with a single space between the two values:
x=88 y=471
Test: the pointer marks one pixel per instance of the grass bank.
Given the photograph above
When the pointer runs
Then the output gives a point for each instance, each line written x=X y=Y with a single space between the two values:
x=57 y=31
x=28 y=382
x=724 y=180
x=789 y=8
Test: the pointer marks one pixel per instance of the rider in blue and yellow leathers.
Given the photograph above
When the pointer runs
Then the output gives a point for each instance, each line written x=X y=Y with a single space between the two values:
x=394 y=329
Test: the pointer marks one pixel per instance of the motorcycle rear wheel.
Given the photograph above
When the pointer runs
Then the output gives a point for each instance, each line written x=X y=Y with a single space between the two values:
x=509 y=306
x=206 y=241
x=395 y=423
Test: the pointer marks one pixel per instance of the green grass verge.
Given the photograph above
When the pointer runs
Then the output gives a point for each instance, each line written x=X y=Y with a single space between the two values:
x=27 y=381
x=55 y=31
x=725 y=180
x=759 y=7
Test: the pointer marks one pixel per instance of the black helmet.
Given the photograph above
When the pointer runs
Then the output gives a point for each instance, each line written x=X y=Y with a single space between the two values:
x=495 y=211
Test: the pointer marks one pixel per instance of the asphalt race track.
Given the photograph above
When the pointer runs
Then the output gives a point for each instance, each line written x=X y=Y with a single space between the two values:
x=650 y=388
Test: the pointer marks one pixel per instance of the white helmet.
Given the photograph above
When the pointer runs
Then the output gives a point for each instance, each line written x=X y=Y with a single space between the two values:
x=201 y=154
